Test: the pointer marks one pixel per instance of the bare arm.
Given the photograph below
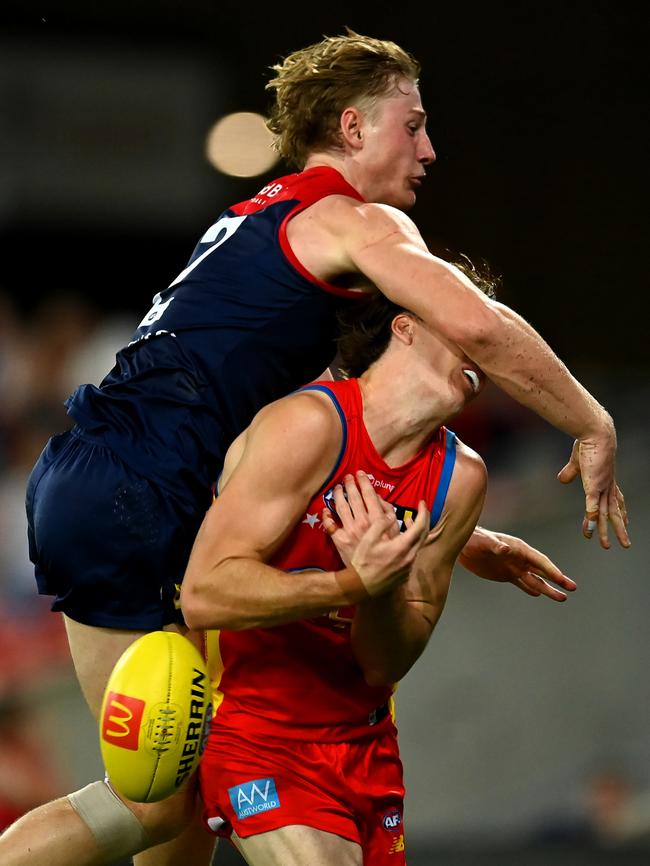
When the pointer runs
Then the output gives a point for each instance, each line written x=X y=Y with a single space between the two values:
x=385 y=246
x=284 y=458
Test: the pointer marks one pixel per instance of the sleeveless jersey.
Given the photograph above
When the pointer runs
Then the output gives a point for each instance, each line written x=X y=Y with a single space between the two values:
x=301 y=680
x=241 y=326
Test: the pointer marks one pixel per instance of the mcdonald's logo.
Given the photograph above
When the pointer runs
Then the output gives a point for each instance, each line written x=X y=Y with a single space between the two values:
x=122 y=720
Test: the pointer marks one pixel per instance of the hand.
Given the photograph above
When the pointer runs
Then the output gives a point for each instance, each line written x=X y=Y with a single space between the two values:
x=593 y=459
x=368 y=537
x=356 y=507
x=506 y=559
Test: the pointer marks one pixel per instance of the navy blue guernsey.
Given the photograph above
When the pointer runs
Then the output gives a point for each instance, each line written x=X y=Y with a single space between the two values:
x=242 y=325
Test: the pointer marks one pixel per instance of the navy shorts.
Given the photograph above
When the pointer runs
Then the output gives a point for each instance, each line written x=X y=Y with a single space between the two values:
x=106 y=542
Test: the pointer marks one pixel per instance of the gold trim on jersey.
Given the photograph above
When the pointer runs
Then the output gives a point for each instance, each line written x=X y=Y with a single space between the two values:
x=215 y=666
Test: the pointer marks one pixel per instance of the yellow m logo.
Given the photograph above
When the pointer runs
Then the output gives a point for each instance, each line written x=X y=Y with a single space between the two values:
x=121 y=722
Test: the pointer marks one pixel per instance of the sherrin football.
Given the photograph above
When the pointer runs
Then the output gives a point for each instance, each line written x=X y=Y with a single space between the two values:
x=155 y=716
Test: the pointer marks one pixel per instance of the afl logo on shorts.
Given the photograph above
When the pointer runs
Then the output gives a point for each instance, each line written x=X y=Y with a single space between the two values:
x=392 y=820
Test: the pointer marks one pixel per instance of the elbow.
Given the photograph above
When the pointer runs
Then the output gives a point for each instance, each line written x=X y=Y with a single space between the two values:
x=193 y=614
x=482 y=329
x=201 y=613
x=196 y=613
x=378 y=677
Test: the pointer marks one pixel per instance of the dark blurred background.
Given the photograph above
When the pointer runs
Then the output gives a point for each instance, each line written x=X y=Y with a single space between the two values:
x=538 y=114
x=524 y=727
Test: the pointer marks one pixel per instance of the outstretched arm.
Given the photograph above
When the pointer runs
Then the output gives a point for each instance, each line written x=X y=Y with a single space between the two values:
x=384 y=245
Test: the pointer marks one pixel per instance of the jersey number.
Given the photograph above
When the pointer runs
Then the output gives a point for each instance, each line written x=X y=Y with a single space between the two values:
x=226 y=227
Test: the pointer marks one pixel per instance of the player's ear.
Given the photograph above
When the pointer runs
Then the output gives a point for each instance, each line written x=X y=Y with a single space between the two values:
x=402 y=327
x=352 y=127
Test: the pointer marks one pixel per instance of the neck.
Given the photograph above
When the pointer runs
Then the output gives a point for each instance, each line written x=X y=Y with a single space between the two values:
x=345 y=166
x=402 y=411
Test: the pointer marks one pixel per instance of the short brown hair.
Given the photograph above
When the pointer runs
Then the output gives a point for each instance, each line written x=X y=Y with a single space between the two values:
x=365 y=327
x=315 y=84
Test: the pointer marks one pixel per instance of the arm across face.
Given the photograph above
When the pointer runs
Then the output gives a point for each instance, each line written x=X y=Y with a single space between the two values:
x=384 y=245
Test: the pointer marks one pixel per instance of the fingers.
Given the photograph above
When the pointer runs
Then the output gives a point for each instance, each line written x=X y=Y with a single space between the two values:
x=620 y=500
x=571 y=470
x=418 y=529
x=618 y=515
x=356 y=500
x=603 y=520
x=611 y=508
x=374 y=504
x=534 y=585
x=568 y=473
x=541 y=567
x=329 y=524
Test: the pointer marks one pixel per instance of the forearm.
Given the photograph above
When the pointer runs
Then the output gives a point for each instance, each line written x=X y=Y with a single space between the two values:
x=508 y=350
x=242 y=593
x=516 y=358
x=389 y=634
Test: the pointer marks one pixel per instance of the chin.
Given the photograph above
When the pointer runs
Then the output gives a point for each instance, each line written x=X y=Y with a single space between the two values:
x=405 y=201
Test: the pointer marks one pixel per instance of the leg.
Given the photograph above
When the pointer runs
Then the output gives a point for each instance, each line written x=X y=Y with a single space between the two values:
x=194 y=847
x=55 y=834
x=296 y=845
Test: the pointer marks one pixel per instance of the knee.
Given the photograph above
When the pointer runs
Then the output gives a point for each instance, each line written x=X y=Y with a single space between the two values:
x=166 y=819
x=122 y=828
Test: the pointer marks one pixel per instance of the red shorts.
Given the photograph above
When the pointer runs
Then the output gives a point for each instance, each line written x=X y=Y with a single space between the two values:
x=352 y=789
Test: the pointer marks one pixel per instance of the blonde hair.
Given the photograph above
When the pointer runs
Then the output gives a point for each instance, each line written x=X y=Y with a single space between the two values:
x=315 y=84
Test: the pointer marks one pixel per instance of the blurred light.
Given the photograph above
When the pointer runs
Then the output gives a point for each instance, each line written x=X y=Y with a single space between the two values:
x=240 y=144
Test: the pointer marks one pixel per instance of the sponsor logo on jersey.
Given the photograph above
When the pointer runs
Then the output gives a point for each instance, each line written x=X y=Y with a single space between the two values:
x=383 y=485
x=251 y=798
x=398 y=845
x=392 y=820
x=122 y=720
x=402 y=512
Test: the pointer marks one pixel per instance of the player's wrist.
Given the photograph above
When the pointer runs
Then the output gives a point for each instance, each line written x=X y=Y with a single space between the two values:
x=352 y=587
x=599 y=426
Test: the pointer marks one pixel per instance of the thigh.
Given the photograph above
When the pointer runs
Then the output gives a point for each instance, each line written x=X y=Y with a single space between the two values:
x=95 y=652
x=297 y=845
x=105 y=541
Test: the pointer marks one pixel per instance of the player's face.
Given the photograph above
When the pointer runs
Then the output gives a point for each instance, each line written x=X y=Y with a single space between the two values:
x=444 y=362
x=396 y=147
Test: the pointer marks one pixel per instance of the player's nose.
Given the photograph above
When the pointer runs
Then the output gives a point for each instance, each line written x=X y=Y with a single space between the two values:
x=426 y=153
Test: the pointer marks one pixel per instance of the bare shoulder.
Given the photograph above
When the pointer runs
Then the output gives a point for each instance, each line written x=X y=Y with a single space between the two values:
x=341 y=214
x=469 y=479
x=297 y=437
x=309 y=412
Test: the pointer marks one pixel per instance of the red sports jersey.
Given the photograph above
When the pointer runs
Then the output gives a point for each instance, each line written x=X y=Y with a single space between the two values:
x=301 y=680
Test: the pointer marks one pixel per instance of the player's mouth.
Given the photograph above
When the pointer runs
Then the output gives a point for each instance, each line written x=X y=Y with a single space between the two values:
x=474 y=380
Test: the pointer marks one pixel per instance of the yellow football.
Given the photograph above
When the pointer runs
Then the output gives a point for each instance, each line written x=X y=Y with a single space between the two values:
x=155 y=716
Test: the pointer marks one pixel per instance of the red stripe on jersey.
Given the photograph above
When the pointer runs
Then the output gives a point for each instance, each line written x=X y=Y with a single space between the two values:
x=307 y=187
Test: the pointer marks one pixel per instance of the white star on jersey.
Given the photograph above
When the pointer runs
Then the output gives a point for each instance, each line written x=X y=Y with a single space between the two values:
x=312 y=520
